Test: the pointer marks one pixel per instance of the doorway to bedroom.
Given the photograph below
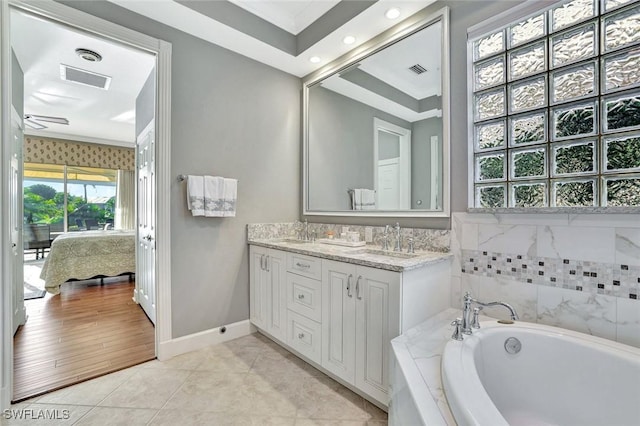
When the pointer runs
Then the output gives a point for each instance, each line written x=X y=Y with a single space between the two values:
x=88 y=114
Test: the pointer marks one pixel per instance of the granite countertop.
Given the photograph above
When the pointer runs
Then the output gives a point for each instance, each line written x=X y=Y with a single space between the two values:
x=369 y=255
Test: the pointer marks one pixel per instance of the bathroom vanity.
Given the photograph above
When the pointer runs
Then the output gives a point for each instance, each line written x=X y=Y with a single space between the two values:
x=339 y=307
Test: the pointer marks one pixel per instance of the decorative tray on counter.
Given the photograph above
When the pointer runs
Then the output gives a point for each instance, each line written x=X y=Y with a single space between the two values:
x=339 y=242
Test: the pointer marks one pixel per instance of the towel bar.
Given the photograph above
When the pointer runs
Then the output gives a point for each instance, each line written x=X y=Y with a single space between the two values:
x=182 y=178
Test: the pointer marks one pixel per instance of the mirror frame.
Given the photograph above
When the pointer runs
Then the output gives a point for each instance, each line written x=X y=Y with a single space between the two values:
x=400 y=31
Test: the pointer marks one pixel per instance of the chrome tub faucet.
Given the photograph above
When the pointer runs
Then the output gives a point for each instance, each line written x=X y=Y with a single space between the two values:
x=470 y=317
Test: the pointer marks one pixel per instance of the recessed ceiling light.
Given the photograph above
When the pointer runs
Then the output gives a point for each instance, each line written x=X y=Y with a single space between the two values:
x=349 y=40
x=392 y=13
x=314 y=59
x=89 y=55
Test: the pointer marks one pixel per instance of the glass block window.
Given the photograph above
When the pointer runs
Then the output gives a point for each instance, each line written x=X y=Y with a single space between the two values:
x=556 y=108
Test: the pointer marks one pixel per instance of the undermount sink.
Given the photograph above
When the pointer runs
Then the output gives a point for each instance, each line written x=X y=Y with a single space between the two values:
x=387 y=253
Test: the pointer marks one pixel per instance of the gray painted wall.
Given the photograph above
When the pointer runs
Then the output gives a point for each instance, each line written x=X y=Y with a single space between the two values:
x=341 y=147
x=17 y=85
x=233 y=117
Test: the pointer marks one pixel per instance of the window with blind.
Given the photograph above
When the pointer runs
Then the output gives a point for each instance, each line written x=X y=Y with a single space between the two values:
x=556 y=108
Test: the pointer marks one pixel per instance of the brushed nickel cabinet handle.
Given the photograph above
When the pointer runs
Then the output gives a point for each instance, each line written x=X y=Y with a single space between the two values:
x=302 y=265
x=349 y=285
x=301 y=296
x=358 y=288
x=300 y=335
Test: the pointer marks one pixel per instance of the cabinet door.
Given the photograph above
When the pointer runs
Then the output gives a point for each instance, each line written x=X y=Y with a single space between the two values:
x=276 y=303
x=258 y=286
x=338 y=319
x=377 y=295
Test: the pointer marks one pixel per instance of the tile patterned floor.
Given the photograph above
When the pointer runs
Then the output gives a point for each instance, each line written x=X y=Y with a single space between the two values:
x=247 y=381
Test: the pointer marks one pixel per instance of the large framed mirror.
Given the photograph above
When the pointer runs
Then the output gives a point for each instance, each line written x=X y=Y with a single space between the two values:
x=376 y=126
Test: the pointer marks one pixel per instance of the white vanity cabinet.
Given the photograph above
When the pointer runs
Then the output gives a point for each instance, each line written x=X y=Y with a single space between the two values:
x=267 y=304
x=341 y=316
x=360 y=316
x=304 y=303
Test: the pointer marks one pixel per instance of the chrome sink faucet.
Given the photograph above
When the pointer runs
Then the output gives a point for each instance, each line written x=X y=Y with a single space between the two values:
x=468 y=323
x=398 y=246
x=305 y=235
x=385 y=238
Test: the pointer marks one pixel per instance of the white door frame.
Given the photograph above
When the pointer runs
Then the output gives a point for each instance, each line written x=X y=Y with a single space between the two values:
x=162 y=50
x=405 y=159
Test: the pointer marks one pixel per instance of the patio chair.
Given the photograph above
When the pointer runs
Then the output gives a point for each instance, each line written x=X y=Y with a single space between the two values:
x=91 y=224
x=37 y=237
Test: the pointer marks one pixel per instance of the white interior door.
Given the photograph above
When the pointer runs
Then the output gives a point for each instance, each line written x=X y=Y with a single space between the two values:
x=146 y=213
x=392 y=166
x=15 y=206
x=388 y=188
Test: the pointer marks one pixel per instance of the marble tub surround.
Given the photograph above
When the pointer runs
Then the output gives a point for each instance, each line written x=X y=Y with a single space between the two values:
x=436 y=240
x=419 y=351
x=357 y=255
x=579 y=272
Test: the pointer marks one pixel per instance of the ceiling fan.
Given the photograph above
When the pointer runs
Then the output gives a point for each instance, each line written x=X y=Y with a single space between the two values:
x=33 y=121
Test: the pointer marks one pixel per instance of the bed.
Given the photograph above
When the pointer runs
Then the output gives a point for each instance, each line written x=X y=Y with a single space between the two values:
x=89 y=254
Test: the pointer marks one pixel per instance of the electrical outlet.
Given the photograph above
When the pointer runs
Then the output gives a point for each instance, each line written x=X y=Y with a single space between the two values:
x=368 y=234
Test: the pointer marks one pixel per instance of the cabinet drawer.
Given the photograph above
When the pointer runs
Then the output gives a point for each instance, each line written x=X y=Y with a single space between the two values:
x=307 y=266
x=304 y=335
x=304 y=296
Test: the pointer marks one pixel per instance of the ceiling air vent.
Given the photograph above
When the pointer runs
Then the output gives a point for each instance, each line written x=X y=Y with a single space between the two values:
x=85 y=77
x=418 y=69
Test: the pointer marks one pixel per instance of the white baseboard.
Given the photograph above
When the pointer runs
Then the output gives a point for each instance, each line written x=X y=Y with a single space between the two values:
x=195 y=341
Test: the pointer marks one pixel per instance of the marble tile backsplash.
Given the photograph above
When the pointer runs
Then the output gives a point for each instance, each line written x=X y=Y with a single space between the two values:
x=424 y=239
x=578 y=272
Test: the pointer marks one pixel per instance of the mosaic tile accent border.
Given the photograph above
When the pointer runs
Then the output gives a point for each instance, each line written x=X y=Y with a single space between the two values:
x=593 y=277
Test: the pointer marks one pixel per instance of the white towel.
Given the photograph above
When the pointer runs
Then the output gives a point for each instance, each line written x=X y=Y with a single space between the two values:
x=363 y=199
x=356 y=199
x=230 y=197
x=368 y=199
x=195 y=195
x=213 y=196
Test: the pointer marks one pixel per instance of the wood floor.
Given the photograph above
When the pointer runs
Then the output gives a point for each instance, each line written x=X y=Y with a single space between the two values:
x=86 y=331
